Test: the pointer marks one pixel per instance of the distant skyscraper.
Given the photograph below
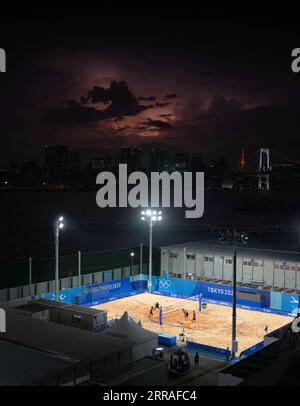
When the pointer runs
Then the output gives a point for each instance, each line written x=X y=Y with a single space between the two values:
x=56 y=163
x=159 y=160
x=242 y=160
x=131 y=157
x=73 y=163
x=108 y=161
x=197 y=164
x=28 y=173
x=98 y=164
x=181 y=162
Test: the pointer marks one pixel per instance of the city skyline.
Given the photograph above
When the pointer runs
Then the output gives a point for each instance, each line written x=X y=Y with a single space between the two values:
x=108 y=87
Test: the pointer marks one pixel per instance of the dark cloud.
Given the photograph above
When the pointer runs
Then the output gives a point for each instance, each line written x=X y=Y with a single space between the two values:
x=162 y=125
x=167 y=116
x=118 y=119
x=119 y=99
x=147 y=98
x=118 y=94
x=126 y=127
x=171 y=96
x=221 y=105
x=158 y=104
x=75 y=113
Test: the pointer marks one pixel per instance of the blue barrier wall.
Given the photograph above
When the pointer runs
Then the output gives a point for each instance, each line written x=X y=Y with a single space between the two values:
x=99 y=293
x=287 y=302
x=219 y=352
x=276 y=302
x=67 y=295
x=222 y=293
x=252 y=350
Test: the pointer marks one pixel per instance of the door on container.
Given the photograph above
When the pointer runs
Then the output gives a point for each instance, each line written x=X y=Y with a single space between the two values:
x=258 y=267
x=290 y=277
x=218 y=267
x=239 y=269
x=279 y=275
x=228 y=269
x=208 y=265
x=172 y=266
x=190 y=264
x=247 y=270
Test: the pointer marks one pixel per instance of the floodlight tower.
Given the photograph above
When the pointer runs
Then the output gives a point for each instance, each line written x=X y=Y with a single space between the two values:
x=151 y=216
x=132 y=256
x=234 y=238
x=58 y=225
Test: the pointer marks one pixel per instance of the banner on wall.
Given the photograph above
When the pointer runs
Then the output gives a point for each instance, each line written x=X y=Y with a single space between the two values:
x=212 y=291
x=100 y=292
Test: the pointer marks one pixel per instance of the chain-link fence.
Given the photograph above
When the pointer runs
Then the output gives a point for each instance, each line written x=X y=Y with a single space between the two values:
x=36 y=275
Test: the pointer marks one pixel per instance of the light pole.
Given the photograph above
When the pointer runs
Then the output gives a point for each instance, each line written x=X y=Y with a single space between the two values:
x=58 y=224
x=234 y=237
x=151 y=216
x=132 y=256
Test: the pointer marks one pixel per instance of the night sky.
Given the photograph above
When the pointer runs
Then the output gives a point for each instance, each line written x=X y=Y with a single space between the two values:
x=203 y=82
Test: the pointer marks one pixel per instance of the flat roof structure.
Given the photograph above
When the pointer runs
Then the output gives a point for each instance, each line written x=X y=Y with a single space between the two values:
x=276 y=255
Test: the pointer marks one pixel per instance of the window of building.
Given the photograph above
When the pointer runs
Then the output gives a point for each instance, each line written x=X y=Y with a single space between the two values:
x=228 y=261
x=208 y=258
x=258 y=263
x=173 y=255
x=190 y=256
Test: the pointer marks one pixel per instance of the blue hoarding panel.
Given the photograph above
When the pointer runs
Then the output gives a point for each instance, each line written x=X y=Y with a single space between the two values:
x=67 y=295
x=212 y=291
x=290 y=302
x=275 y=301
x=104 y=291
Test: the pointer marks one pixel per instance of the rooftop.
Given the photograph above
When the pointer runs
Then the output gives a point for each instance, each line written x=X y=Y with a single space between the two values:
x=249 y=251
x=21 y=365
x=74 y=343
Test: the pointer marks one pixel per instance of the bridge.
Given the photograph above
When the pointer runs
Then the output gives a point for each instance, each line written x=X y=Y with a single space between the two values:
x=262 y=163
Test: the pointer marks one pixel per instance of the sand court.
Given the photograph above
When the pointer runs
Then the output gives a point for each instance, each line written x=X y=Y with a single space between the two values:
x=211 y=327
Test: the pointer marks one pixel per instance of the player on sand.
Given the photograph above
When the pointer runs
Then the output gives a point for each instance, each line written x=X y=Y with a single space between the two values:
x=186 y=314
x=151 y=311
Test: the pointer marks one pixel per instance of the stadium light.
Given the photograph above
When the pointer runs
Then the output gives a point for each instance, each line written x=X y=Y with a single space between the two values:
x=151 y=216
x=58 y=225
x=234 y=238
x=132 y=256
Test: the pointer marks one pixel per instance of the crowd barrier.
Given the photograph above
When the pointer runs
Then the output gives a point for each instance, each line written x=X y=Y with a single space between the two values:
x=102 y=292
x=252 y=349
x=215 y=351
x=270 y=302
x=222 y=293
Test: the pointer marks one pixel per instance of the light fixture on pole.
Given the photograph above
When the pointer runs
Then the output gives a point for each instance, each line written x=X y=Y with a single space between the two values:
x=151 y=216
x=234 y=238
x=58 y=225
x=132 y=256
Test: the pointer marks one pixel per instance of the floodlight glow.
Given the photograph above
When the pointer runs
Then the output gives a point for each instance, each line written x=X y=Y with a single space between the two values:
x=154 y=212
x=154 y=218
x=61 y=218
x=143 y=213
x=61 y=225
x=132 y=254
x=143 y=218
x=159 y=218
x=148 y=212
